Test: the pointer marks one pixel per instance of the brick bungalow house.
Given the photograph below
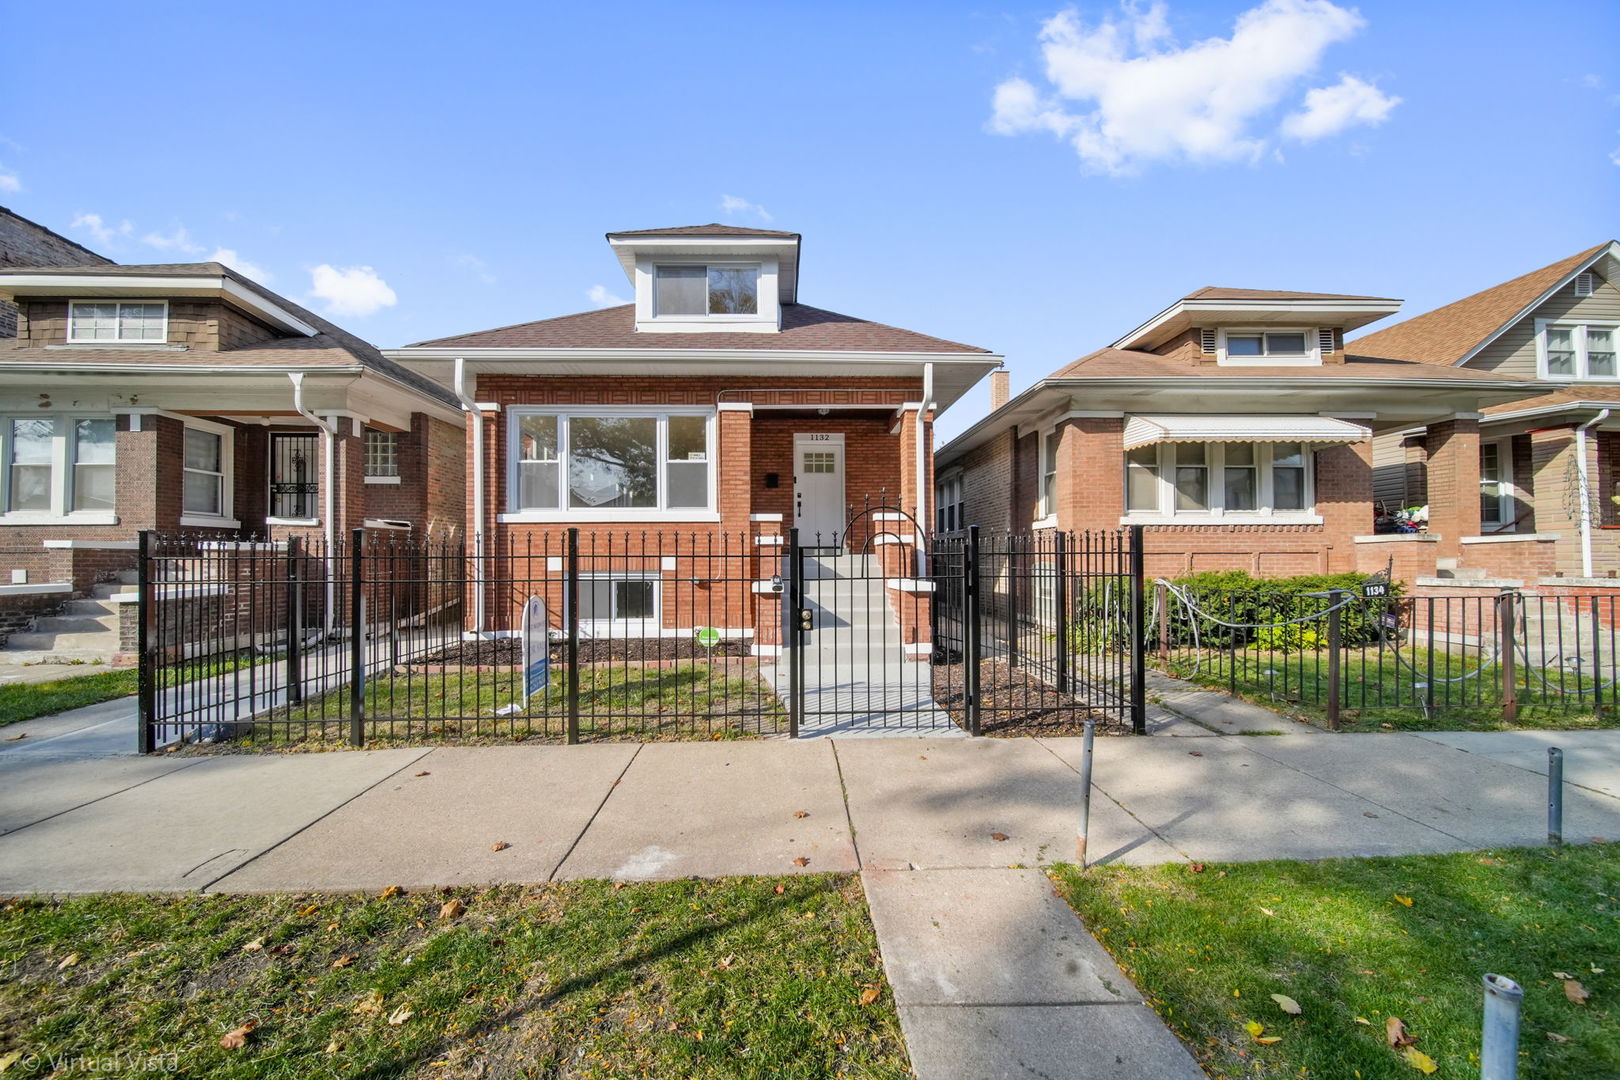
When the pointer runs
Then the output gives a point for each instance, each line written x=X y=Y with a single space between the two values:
x=716 y=406
x=187 y=397
x=1233 y=425
x=1531 y=500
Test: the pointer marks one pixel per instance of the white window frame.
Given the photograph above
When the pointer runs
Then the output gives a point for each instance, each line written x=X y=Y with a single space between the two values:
x=63 y=456
x=651 y=626
x=1046 y=508
x=1578 y=338
x=393 y=457
x=1311 y=357
x=709 y=316
x=1215 y=465
x=227 y=464
x=1509 y=495
x=119 y=322
x=661 y=512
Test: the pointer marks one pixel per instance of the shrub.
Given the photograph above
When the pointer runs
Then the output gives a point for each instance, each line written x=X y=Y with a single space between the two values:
x=1259 y=604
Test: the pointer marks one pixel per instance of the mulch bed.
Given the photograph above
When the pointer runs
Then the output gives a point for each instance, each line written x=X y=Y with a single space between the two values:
x=1015 y=704
x=508 y=652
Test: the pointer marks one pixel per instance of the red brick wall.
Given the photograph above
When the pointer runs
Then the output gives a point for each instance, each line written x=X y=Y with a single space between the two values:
x=1453 y=483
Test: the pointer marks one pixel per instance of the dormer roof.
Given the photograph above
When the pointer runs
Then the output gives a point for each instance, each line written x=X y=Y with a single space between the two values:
x=1219 y=306
x=713 y=229
x=730 y=242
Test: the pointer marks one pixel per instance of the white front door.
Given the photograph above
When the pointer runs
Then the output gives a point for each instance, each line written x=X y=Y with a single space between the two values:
x=818 y=488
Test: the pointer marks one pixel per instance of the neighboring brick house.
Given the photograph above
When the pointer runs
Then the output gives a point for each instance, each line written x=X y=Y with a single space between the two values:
x=1233 y=425
x=27 y=243
x=187 y=397
x=714 y=406
x=1519 y=492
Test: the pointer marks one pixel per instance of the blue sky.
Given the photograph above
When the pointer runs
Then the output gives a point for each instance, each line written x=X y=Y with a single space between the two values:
x=472 y=157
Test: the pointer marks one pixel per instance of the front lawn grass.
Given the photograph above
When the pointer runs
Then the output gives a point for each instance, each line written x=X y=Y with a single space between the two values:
x=726 y=699
x=1381 y=692
x=29 y=701
x=1209 y=948
x=740 y=977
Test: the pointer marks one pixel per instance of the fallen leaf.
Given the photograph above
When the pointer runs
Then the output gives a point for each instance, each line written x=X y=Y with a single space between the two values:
x=726 y=962
x=1255 y=1028
x=1268 y=1039
x=1196 y=868
x=424 y=772
x=1557 y=1038
x=1363 y=1020
x=499 y=845
x=284 y=949
x=1575 y=991
x=801 y=813
x=14 y=738
x=780 y=889
x=1287 y=1004
x=371 y=1003
x=345 y=960
x=801 y=861
x=391 y=892
x=254 y=946
x=1404 y=901
x=998 y=837
x=1268 y=911
x=1396 y=1035
x=330 y=927
x=1195 y=753
x=333 y=1047
x=70 y=960
x=452 y=909
x=1420 y=1061
x=400 y=1015
x=869 y=995
x=312 y=909
x=1596 y=970
x=236 y=1038
x=1562 y=975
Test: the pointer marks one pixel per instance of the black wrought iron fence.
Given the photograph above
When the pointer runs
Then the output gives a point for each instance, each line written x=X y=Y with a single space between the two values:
x=1334 y=653
x=1055 y=619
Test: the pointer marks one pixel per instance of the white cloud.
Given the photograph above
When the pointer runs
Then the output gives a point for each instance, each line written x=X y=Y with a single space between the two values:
x=1330 y=109
x=179 y=240
x=9 y=180
x=1124 y=94
x=352 y=290
x=99 y=230
x=736 y=206
x=600 y=296
x=1614 y=155
x=230 y=258
x=475 y=266
x=1592 y=81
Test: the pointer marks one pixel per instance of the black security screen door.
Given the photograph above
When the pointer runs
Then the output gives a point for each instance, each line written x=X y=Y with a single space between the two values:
x=293 y=487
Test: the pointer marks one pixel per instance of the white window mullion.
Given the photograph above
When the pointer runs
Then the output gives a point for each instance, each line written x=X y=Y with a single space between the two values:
x=61 y=463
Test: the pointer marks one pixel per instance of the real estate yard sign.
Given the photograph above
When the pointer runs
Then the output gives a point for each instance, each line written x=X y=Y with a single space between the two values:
x=536 y=648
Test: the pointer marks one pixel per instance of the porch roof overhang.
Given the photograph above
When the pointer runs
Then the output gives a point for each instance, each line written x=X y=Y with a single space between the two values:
x=1148 y=430
x=954 y=373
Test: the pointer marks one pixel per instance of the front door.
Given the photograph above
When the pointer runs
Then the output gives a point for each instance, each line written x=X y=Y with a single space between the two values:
x=818 y=488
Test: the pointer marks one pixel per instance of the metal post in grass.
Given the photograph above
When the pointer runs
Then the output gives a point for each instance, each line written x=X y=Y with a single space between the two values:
x=970 y=629
x=1555 y=796
x=1084 y=829
x=1499 y=1040
x=792 y=638
x=1510 y=675
x=571 y=649
x=1597 y=661
x=295 y=623
x=1335 y=644
x=145 y=644
x=1138 y=633
x=357 y=640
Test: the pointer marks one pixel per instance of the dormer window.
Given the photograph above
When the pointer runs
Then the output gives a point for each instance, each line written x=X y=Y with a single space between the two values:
x=117 y=321
x=1260 y=347
x=707 y=290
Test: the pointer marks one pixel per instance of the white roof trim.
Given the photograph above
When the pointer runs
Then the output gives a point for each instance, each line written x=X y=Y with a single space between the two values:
x=1611 y=249
x=1368 y=306
x=159 y=285
x=1141 y=430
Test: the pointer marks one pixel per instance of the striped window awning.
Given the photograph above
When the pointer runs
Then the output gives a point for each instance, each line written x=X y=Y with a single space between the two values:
x=1142 y=430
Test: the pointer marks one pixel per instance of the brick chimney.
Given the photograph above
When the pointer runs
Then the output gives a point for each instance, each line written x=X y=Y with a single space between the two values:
x=999 y=389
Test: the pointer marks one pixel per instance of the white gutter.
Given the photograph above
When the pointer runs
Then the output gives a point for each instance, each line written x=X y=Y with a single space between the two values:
x=477 y=414
x=1586 y=490
x=328 y=486
x=924 y=523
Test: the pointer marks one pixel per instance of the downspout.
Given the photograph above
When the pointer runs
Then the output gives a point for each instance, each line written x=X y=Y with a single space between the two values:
x=924 y=521
x=1586 y=490
x=471 y=407
x=328 y=484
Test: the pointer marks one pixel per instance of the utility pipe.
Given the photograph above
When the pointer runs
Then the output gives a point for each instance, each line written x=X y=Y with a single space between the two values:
x=471 y=406
x=1586 y=490
x=923 y=523
x=328 y=484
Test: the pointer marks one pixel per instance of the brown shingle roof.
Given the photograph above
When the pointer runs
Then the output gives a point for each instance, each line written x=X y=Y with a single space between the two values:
x=1111 y=363
x=331 y=346
x=803 y=327
x=1567 y=396
x=705 y=230
x=1213 y=292
x=1447 y=334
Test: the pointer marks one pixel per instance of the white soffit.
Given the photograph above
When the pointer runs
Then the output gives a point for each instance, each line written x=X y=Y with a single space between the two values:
x=1143 y=430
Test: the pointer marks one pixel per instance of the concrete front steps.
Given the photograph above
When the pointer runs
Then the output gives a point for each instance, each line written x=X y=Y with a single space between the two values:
x=85 y=632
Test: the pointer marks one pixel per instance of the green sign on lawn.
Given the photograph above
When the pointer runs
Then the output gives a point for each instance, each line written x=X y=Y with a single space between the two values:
x=707 y=636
